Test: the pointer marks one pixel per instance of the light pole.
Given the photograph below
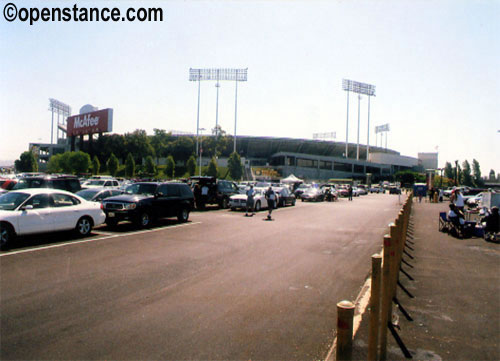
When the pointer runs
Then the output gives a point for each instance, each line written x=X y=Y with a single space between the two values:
x=218 y=74
x=201 y=147
x=359 y=88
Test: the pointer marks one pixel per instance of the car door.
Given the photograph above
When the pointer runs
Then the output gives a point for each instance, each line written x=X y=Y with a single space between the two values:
x=172 y=200
x=65 y=211
x=37 y=219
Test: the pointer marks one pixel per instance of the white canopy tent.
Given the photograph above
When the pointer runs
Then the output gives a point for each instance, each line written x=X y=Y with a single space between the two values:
x=292 y=179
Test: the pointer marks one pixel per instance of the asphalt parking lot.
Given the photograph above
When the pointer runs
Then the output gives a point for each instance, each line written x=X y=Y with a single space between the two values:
x=221 y=286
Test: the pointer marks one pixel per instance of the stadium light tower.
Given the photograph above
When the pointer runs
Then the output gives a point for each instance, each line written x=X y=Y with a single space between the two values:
x=218 y=74
x=55 y=106
x=359 y=88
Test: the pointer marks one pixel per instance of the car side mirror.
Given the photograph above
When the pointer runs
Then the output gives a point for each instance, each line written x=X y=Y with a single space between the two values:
x=28 y=207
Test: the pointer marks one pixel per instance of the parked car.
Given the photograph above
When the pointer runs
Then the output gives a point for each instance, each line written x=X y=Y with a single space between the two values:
x=474 y=201
x=218 y=191
x=64 y=182
x=7 y=183
x=394 y=190
x=313 y=194
x=284 y=196
x=362 y=190
x=144 y=202
x=41 y=210
x=375 y=189
x=97 y=194
x=301 y=189
x=91 y=183
x=239 y=201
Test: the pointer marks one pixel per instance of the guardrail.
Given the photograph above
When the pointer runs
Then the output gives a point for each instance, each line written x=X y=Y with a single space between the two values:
x=386 y=268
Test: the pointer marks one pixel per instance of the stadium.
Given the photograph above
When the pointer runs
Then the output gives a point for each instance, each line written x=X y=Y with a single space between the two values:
x=310 y=159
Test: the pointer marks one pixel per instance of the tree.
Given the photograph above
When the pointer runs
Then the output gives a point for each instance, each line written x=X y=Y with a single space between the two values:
x=54 y=164
x=170 y=169
x=80 y=162
x=191 y=165
x=96 y=165
x=130 y=166
x=182 y=148
x=492 y=175
x=212 y=168
x=26 y=162
x=478 y=181
x=406 y=177
x=448 y=171
x=112 y=164
x=161 y=142
x=138 y=144
x=466 y=177
x=150 y=165
x=234 y=165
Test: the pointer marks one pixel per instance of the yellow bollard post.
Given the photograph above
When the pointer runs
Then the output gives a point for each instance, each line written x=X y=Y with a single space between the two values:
x=386 y=307
x=345 y=316
x=374 y=308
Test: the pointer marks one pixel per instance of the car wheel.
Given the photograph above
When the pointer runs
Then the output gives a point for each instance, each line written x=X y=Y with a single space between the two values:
x=257 y=206
x=7 y=235
x=84 y=226
x=144 y=220
x=183 y=215
x=225 y=203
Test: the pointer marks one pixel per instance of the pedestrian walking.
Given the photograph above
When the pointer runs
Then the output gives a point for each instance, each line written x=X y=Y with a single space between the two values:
x=250 y=201
x=349 y=190
x=271 y=198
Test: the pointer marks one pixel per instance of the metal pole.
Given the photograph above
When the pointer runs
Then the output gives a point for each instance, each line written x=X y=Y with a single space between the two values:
x=52 y=128
x=198 y=117
x=368 y=135
x=57 y=130
x=217 y=85
x=359 y=108
x=347 y=129
x=201 y=152
x=235 y=110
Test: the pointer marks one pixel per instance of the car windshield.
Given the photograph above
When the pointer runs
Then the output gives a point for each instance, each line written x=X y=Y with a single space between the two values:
x=141 y=189
x=95 y=183
x=29 y=183
x=12 y=200
x=88 y=194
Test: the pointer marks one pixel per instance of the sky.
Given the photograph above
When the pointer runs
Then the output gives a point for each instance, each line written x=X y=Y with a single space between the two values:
x=435 y=65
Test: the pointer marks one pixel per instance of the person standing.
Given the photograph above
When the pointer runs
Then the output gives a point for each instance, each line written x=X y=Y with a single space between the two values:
x=349 y=190
x=271 y=198
x=250 y=201
x=459 y=200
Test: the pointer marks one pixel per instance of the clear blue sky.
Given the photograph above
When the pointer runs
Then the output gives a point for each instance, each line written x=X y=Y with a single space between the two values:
x=435 y=65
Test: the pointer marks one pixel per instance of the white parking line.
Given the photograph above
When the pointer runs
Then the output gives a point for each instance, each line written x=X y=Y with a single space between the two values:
x=109 y=236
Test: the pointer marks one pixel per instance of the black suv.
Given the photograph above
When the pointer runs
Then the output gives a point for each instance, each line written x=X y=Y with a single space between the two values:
x=217 y=191
x=65 y=182
x=144 y=202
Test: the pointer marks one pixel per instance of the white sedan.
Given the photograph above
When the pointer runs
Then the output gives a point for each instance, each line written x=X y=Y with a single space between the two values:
x=239 y=201
x=41 y=210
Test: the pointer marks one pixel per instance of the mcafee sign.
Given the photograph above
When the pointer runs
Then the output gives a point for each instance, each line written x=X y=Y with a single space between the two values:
x=99 y=121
